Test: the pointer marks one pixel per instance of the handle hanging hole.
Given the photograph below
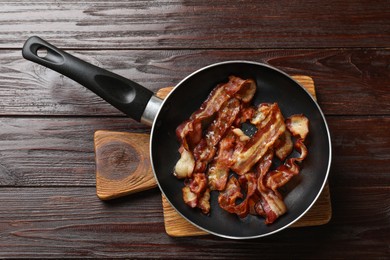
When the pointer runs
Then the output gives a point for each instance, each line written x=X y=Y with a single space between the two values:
x=42 y=52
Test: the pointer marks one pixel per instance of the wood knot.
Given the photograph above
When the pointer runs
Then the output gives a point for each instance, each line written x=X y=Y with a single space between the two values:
x=116 y=160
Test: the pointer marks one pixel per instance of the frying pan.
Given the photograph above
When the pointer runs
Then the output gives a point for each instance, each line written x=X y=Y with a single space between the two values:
x=164 y=116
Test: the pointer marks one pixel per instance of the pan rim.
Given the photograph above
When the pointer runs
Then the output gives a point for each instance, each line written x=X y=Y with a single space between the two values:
x=307 y=93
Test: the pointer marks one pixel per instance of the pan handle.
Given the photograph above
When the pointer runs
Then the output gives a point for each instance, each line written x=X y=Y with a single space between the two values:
x=124 y=94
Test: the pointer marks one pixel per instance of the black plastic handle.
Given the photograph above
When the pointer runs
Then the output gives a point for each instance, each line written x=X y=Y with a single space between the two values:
x=124 y=94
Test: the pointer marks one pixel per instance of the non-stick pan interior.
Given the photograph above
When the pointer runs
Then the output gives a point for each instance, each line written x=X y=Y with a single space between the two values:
x=273 y=86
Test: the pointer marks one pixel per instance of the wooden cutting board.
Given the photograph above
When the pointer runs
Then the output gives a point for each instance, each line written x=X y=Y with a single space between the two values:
x=123 y=167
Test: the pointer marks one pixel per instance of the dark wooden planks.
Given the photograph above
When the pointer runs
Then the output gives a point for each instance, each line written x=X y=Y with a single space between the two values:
x=48 y=202
x=54 y=151
x=59 y=151
x=361 y=151
x=54 y=222
x=74 y=222
x=348 y=82
x=197 y=24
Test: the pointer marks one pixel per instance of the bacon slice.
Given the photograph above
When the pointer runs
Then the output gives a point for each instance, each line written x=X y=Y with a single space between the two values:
x=260 y=114
x=204 y=152
x=185 y=165
x=189 y=197
x=189 y=133
x=268 y=131
x=265 y=164
x=246 y=113
x=298 y=125
x=249 y=181
x=227 y=199
x=270 y=204
x=219 y=168
x=194 y=189
x=289 y=169
x=245 y=94
x=204 y=202
x=217 y=176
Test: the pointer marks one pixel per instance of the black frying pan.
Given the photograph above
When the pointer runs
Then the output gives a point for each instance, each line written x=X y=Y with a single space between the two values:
x=164 y=116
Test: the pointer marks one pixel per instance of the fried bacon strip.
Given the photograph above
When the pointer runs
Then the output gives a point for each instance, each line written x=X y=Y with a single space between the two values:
x=272 y=206
x=227 y=199
x=194 y=189
x=269 y=129
x=189 y=133
x=298 y=125
x=204 y=152
x=270 y=203
x=218 y=170
x=289 y=169
x=204 y=202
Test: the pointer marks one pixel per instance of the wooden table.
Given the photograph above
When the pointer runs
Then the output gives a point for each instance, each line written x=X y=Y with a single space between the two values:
x=49 y=206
